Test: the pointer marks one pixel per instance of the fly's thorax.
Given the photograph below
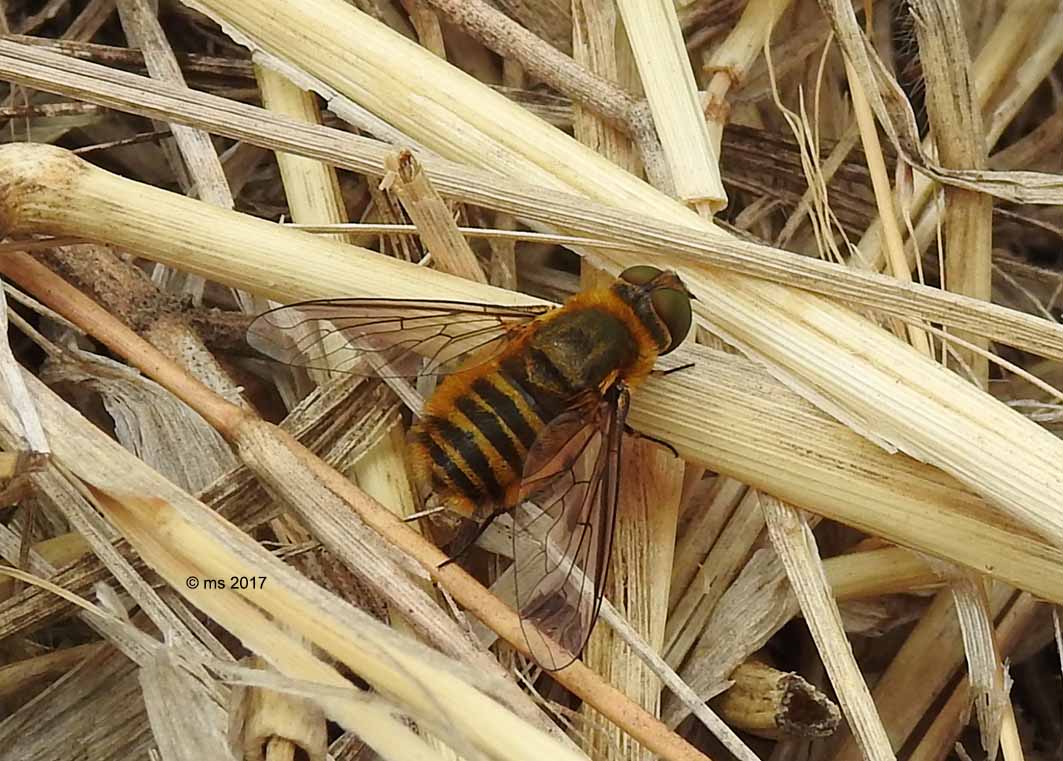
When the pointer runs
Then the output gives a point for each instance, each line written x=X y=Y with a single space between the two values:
x=579 y=350
x=641 y=303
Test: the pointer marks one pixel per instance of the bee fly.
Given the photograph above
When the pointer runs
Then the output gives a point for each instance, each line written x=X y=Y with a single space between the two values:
x=530 y=410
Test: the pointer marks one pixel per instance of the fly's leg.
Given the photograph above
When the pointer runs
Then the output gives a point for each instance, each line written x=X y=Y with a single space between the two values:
x=669 y=371
x=632 y=432
x=427 y=513
x=467 y=537
x=628 y=430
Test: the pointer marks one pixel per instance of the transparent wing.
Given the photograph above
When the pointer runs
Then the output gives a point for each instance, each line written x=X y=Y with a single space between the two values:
x=563 y=528
x=386 y=337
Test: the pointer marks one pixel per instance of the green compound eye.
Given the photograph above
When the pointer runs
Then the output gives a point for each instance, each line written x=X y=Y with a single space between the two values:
x=673 y=307
x=669 y=297
x=639 y=274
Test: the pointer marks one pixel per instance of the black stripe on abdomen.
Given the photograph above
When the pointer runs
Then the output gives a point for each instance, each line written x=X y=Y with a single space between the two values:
x=463 y=444
x=454 y=475
x=506 y=409
x=487 y=422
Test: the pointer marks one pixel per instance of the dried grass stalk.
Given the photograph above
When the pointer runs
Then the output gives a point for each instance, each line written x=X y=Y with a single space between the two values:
x=434 y=220
x=759 y=603
x=81 y=508
x=639 y=570
x=755 y=606
x=939 y=738
x=594 y=87
x=878 y=572
x=50 y=726
x=898 y=264
x=32 y=445
x=967 y=240
x=657 y=44
x=194 y=162
x=729 y=63
x=185 y=723
x=676 y=685
x=24 y=677
x=652 y=479
x=632 y=230
x=793 y=540
x=700 y=527
x=148 y=420
x=921 y=669
x=57 y=551
x=353 y=411
x=721 y=566
x=136 y=300
x=311 y=188
x=1000 y=78
x=985 y=669
x=724 y=409
x=741 y=426
x=956 y=121
x=596 y=34
x=895 y=114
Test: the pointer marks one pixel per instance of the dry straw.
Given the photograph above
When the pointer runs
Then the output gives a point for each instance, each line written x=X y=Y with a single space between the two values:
x=628 y=231
x=828 y=415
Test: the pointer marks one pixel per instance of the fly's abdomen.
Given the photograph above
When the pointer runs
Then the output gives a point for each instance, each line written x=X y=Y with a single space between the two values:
x=471 y=443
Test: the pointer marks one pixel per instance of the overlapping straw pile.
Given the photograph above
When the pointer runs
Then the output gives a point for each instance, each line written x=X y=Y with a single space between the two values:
x=858 y=551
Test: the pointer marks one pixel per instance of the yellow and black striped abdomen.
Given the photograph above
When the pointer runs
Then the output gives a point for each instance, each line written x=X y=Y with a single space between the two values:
x=476 y=431
x=471 y=443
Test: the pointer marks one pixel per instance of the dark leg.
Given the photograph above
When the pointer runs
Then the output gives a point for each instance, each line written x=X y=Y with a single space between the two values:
x=632 y=432
x=659 y=373
x=467 y=537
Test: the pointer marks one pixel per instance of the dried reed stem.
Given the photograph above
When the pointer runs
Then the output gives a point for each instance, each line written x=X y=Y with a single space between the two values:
x=793 y=540
x=923 y=666
x=311 y=187
x=664 y=66
x=642 y=557
x=33 y=449
x=770 y=703
x=729 y=63
x=631 y=230
x=261 y=717
x=898 y=264
x=24 y=676
x=592 y=89
x=940 y=736
x=956 y=121
x=195 y=162
x=434 y=220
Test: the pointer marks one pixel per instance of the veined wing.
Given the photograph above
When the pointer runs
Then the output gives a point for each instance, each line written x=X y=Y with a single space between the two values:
x=387 y=337
x=563 y=540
